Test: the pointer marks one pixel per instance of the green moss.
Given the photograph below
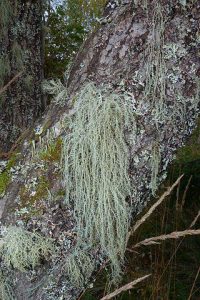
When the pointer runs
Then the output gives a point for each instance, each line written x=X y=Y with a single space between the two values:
x=4 y=181
x=53 y=152
x=22 y=249
x=5 y=176
x=61 y=192
x=41 y=191
x=191 y=151
x=12 y=161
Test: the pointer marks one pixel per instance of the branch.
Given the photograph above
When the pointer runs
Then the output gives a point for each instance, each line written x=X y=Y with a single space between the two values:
x=124 y=288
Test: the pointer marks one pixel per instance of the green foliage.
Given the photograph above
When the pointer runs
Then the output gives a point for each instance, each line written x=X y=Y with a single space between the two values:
x=22 y=249
x=79 y=267
x=66 y=28
x=96 y=170
x=85 y=12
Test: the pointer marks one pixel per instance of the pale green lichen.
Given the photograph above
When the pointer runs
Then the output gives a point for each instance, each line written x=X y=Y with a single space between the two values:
x=22 y=249
x=155 y=164
x=155 y=87
x=79 y=267
x=6 y=289
x=57 y=89
x=96 y=170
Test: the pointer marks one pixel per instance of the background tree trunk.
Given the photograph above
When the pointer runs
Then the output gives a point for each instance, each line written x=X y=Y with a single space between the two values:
x=20 y=51
x=148 y=49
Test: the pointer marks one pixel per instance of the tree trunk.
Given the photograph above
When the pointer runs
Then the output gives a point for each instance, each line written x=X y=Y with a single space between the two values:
x=145 y=50
x=20 y=51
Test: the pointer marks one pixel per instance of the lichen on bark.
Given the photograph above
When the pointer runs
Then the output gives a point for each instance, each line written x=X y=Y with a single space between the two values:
x=150 y=53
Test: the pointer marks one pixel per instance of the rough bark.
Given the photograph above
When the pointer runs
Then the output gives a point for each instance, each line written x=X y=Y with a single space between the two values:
x=148 y=49
x=20 y=51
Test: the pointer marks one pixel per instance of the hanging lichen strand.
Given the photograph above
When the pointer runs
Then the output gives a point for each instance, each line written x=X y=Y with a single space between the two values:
x=96 y=170
x=164 y=90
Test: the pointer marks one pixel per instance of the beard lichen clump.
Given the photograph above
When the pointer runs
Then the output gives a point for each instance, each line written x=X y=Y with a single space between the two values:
x=79 y=267
x=96 y=163
x=6 y=289
x=22 y=249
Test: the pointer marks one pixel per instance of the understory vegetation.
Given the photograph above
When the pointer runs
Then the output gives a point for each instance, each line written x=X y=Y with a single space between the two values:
x=173 y=264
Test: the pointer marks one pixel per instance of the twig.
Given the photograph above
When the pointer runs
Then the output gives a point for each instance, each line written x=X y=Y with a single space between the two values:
x=172 y=235
x=125 y=288
x=153 y=207
x=195 y=219
x=191 y=292
x=10 y=82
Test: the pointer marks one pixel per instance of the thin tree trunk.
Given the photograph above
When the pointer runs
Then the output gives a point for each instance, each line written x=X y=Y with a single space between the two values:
x=20 y=50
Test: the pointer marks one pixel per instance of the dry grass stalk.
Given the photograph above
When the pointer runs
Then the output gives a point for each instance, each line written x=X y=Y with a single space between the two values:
x=195 y=219
x=153 y=207
x=191 y=292
x=176 y=249
x=3 y=89
x=185 y=193
x=172 y=235
x=124 y=288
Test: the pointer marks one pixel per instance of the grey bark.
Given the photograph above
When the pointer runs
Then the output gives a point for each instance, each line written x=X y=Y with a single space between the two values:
x=21 y=48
